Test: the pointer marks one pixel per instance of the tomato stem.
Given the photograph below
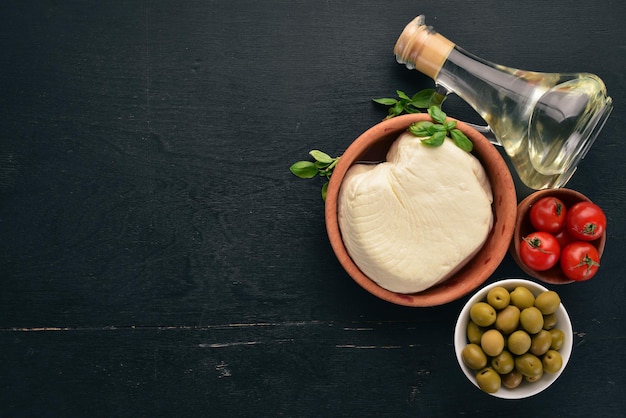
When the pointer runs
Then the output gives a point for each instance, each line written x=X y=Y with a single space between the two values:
x=558 y=207
x=588 y=262
x=536 y=243
x=589 y=228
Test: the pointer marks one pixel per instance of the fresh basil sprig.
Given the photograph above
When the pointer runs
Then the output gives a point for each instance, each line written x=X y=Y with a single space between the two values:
x=423 y=99
x=322 y=165
x=433 y=134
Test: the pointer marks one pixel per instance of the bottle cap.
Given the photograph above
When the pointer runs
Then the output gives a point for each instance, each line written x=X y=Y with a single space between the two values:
x=420 y=47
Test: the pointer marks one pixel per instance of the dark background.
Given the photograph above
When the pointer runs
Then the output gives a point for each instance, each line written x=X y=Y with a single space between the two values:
x=157 y=257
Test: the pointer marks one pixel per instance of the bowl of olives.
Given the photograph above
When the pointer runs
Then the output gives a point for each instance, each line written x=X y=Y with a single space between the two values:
x=513 y=338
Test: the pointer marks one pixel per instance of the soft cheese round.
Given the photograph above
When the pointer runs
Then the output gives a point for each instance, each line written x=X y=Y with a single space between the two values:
x=414 y=220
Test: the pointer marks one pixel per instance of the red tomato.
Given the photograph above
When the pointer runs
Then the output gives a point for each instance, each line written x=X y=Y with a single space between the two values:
x=564 y=238
x=586 y=221
x=540 y=251
x=548 y=214
x=580 y=261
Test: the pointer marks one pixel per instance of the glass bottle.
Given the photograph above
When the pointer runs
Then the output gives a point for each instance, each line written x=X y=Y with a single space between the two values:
x=546 y=122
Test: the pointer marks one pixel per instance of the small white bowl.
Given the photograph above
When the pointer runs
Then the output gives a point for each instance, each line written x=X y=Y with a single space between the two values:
x=525 y=389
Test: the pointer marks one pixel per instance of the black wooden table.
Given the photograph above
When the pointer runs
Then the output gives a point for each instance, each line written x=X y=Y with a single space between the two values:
x=157 y=257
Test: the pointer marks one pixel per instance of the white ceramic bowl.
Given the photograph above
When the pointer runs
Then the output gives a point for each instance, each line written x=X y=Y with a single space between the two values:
x=525 y=389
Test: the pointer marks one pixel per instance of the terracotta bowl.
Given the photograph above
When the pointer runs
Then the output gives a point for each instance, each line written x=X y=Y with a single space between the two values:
x=523 y=227
x=373 y=145
x=525 y=389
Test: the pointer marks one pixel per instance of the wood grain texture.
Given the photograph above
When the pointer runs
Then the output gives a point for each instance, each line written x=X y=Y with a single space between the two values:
x=157 y=257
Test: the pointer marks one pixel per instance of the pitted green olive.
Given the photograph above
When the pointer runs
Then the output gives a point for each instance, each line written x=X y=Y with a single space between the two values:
x=474 y=332
x=512 y=379
x=549 y=321
x=548 y=302
x=507 y=320
x=552 y=361
x=474 y=357
x=536 y=378
x=558 y=339
x=503 y=363
x=540 y=342
x=518 y=342
x=488 y=380
x=498 y=297
x=531 y=320
x=522 y=298
x=492 y=342
x=529 y=364
x=483 y=314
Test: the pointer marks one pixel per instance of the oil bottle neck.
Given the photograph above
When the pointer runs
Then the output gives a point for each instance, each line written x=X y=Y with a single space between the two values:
x=420 y=47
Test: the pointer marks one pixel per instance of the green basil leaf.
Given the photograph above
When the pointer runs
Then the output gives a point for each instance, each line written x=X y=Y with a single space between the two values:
x=324 y=191
x=320 y=165
x=386 y=101
x=304 y=169
x=437 y=114
x=320 y=156
x=422 y=99
x=435 y=140
x=451 y=124
x=398 y=108
x=461 y=140
x=402 y=95
x=436 y=128
x=420 y=128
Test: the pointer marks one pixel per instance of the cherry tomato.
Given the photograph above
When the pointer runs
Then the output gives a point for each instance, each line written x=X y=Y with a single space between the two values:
x=539 y=250
x=548 y=214
x=585 y=221
x=580 y=261
x=564 y=238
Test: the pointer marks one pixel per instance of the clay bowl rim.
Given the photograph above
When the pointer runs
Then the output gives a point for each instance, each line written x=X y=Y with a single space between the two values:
x=523 y=227
x=564 y=323
x=487 y=259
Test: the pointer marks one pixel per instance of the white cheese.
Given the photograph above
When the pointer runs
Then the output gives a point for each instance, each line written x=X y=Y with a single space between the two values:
x=414 y=220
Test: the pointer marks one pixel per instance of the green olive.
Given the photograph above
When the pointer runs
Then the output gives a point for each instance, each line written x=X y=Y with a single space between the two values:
x=558 y=338
x=474 y=332
x=540 y=342
x=529 y=365
x=548 y=302
x=518 y=342
x=488 y=380
x=512 y=379
x=503 y=363
x=492 y=342
x=507 y=320
x=552 y=361
x=474 y=357
x=549 y=321
x=531 y=320
x=522 y=298
x=533 y=379
x=498 y=297
x=483 y=314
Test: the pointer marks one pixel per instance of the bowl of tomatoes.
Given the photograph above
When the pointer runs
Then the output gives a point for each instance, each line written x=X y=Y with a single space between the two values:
x=559 y=236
